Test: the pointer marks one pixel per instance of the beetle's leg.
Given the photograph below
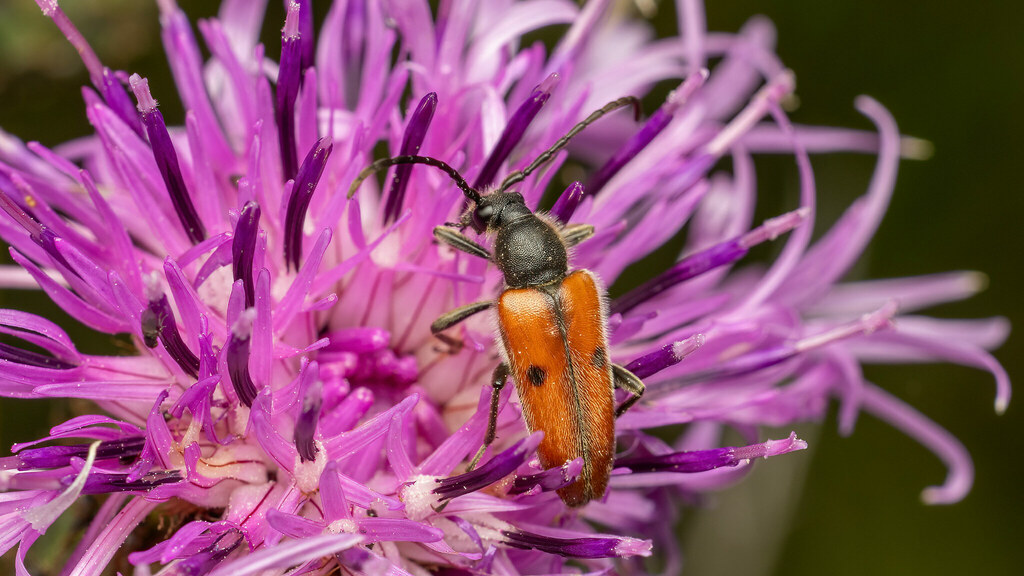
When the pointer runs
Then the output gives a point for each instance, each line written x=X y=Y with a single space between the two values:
x=577 y=233
x=497 y=383
x=626 y=380
x=460 y=242
x=452 y=318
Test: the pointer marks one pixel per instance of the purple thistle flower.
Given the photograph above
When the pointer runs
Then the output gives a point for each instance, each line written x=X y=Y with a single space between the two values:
x=286 y=383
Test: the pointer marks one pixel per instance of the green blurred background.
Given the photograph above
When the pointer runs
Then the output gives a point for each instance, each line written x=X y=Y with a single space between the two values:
x=950 y=73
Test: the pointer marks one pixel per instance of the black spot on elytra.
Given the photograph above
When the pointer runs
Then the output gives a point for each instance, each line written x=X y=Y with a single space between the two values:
x=599 y=358
x=535 y=374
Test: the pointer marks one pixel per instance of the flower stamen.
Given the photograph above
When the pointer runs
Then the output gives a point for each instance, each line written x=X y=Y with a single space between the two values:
x=289 y=76
x=567 y=203
x=708 y=259
x=306 y=181
x=237 y=356
x=243 y=249
x=664 y=357
x=514 y=130
x=654 y=126
x=703 y=460
x=607 y=547
x=412 y=140
x=495 y=469
x=167 y=160
x=309 y=416
x=548 y=480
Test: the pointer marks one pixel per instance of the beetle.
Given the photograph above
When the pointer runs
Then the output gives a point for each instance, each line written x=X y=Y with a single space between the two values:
x=552 y=322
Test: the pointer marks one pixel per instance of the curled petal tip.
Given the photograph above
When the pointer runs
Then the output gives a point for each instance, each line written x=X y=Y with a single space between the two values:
x=977 y=281
x=937 y=496
x=916 y=148
x=1001 y=404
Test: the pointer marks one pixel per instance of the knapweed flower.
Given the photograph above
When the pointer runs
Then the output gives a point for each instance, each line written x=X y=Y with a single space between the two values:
x=288 y=410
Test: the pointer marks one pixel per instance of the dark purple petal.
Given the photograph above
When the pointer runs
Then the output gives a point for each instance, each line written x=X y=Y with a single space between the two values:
x=19 y=214
x=40 y=235
x=548 y=480
x=306 y=32
x=495 y=469
x=106 y=483
x=206 y=559
x=718 y=255
x=243 y=249
x=704 y=460
x=117 y=98
x=608 y=547
x=415 y=133
x=39 y=332
x=167 y=161
x=298 y=203
x=514 y=131
x=288 y=77
x=767 y=357
x=687 y=268
x=15 y=355
x=668 y=355
x=124 y=449
x=567 y=203
x=654 y=125
x=202 y=563
x=309 y=417
x=47 y=240
x=237 y=357
x=192 y=540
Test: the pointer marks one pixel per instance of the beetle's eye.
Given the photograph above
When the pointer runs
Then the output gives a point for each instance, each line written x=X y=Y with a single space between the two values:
x=481 y=216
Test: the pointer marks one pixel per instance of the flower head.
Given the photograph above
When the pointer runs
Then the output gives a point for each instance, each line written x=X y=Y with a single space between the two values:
x=287 y=390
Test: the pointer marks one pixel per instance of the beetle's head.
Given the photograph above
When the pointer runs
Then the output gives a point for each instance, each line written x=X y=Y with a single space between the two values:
x=496 y=210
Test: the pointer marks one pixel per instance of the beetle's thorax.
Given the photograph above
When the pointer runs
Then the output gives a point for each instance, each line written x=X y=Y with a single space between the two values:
x=528 y=249
x=530 y=252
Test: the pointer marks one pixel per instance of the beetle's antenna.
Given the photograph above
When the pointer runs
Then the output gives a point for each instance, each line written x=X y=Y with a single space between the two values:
x=385 y=163
x=547 y=155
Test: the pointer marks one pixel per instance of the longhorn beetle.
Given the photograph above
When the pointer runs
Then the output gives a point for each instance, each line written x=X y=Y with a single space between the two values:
x=552 y=322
